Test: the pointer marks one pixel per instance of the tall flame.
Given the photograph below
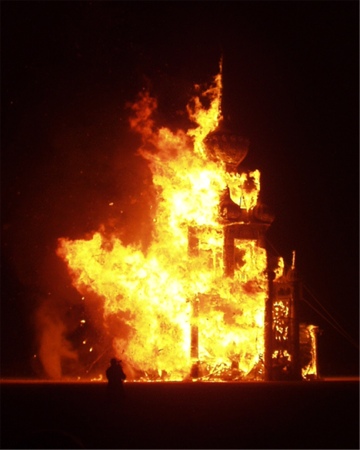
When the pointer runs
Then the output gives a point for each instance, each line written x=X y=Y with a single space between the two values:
x=174 y=306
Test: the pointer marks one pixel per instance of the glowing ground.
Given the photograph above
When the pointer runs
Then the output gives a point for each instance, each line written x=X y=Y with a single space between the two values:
x=182 y=415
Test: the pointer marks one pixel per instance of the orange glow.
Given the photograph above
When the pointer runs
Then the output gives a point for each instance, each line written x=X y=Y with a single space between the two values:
x=175 y=306
x=308 y=338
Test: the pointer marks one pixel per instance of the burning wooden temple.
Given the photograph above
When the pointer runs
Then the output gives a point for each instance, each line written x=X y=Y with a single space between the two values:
x=203 y=301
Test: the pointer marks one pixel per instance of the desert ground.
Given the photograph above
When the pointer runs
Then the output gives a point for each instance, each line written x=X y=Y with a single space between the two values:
x=309 y=414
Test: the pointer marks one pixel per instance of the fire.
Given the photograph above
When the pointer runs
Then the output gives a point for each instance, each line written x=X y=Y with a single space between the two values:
x=178 y=313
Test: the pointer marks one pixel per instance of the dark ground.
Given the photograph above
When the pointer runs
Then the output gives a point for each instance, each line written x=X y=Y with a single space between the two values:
x=314 y=415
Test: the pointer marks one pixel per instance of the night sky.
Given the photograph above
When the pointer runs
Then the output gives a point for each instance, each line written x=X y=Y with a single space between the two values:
x=69 y=69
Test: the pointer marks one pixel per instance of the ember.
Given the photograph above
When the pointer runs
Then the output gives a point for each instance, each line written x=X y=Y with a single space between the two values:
x=193 y=305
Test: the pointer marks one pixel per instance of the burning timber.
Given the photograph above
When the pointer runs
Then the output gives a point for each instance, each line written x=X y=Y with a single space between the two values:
x=283 y=350
x=205 y=302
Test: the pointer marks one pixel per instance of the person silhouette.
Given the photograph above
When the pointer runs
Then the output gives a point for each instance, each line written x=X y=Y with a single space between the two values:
x=115 y=376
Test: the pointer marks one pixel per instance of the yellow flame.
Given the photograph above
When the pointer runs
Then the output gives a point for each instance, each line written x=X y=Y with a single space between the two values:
x=173 y=292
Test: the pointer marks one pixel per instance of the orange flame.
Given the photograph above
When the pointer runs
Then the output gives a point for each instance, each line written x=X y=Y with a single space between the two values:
x=171 y=298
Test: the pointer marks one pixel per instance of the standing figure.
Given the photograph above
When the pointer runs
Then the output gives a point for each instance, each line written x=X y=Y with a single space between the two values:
x=115 y=376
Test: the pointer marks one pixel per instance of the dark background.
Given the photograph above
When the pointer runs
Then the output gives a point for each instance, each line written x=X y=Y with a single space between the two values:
x=290 y=86
x=182 y=415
